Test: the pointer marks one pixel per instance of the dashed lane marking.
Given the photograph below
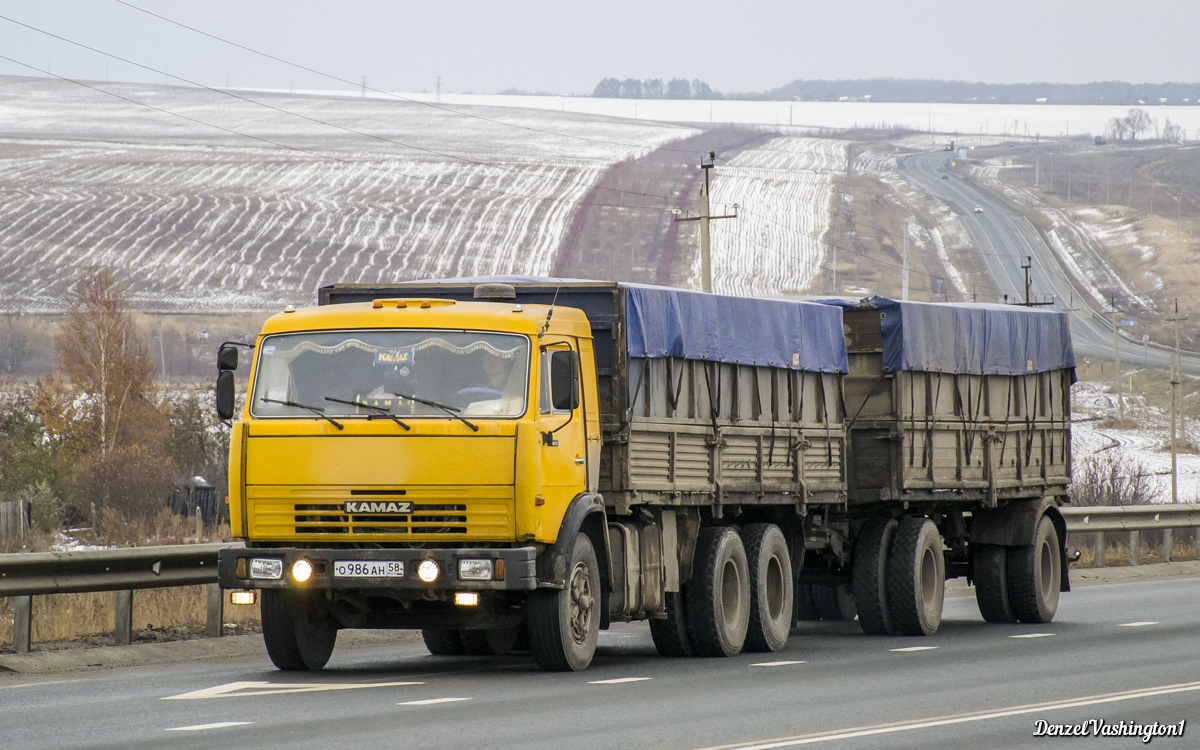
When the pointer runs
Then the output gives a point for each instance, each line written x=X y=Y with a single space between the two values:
x=244 y=689
x=1138 y=624
x=1032 y=635
x=432 y=701
x=777 y=663
x=913 y=649
x=619 y=680
x=201 y=727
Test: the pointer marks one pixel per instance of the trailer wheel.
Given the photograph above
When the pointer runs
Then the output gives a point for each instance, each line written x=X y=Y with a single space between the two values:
x=835 y=603
x=565 y=625
x=1034 y=573
x=991 y=582
x=870 y=575
x=298 y=635
x=442 y=642
x=916 y=577
x=670 y=635
x=771 y=588
x=718 y=611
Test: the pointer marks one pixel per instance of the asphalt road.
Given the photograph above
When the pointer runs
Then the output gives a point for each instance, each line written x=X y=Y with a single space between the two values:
x=1118 y=652
x=1005 y=239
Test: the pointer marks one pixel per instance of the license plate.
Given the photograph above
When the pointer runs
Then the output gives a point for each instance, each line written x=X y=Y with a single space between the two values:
x=368 y=569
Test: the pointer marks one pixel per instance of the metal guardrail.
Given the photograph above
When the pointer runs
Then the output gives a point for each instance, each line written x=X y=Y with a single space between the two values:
x=25 y=575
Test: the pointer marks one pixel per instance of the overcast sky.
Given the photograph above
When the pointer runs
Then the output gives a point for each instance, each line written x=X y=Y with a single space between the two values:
x=566 y=46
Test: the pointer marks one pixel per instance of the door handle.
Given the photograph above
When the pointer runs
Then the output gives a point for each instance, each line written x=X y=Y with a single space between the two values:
x=580 y=460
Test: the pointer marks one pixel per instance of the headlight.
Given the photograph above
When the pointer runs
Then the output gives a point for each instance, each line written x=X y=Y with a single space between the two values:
x=266 y=567
x=302 y=570
x=474 y=570
x=427 y=571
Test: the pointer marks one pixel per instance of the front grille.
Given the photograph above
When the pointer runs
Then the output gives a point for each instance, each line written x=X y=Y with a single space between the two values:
x=426 y=518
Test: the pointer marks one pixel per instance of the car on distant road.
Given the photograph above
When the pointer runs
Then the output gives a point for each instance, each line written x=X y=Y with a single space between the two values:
x=979 y=209
x=945 y=176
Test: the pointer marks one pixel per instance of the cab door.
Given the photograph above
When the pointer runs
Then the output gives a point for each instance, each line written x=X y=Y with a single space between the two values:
x=561 y=423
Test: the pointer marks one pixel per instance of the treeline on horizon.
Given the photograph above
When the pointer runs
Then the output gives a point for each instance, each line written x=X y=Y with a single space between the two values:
x=915 y=90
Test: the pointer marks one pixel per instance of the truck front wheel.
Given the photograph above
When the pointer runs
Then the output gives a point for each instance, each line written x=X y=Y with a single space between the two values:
x=719 y=594
x=564 y=625
x=298 y=634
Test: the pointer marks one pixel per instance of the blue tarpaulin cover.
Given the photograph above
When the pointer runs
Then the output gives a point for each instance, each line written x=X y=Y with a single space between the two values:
x=983 y=339
x=668 y=322
x=665 y=322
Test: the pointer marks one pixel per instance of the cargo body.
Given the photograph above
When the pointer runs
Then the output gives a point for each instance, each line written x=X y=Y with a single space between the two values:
x=520 y=462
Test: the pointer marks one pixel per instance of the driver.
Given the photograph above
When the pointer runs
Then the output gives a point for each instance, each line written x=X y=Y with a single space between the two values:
x=496 y=371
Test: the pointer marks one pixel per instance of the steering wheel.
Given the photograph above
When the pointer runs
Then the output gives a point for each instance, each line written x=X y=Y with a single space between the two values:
x=478 y=393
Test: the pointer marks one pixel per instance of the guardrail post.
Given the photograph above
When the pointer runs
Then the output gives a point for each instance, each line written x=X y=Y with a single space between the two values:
x=123 y=626
x=214 y=626
x=1135 y=538
x=22 y=623
x=1168 y=548
x=1098 y=550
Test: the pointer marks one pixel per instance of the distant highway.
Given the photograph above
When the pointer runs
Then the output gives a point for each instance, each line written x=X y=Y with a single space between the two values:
x=1005 y=239
x=1123 y=652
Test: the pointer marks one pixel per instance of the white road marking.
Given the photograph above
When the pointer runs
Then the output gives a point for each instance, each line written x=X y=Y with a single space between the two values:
x=912 y=649
x=244 y=689
x=619 y=680
x=218 y=725
x=777 y=663
x=35 y=684
x=871 y=731
x=1138 y=624
x=432 y=701
x=1033 y=635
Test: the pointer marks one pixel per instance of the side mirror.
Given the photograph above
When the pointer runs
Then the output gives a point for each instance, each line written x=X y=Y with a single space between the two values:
x=227 y=358
x=564 y=380
x=225 y=392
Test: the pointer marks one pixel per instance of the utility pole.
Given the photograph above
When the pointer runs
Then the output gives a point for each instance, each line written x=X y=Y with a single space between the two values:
x=1117 y=357
x=904 y=276
x=439 y=89
x=706 y=163
x=1174 y=404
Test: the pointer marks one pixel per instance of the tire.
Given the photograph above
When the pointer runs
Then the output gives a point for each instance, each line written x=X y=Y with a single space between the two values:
x=916 y=577
x=771 y=587
x=1034 y=575
x=443 y=642
x=990 y=566
x=806 y=603
x=718 y=601
x=565 y=625
x=297 y=634
x=670 y=635
x=869 y=576
x=835 y=603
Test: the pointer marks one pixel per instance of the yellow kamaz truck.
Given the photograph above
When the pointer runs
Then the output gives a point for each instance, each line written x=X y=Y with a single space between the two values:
x=517 y=463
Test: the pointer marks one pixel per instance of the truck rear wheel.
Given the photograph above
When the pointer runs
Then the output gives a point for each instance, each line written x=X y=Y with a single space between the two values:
x=565 y=625
x=916 y=577
x=771 y=588
x=298 y=635
x=835 y=603
x=1034 y=575
x=990 y=564
x=670 y=635
x=443 y=642
x=870 y=575
x=494 y=642
x=718 y=611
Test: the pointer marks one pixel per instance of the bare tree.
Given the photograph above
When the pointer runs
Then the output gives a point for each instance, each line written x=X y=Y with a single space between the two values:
x=1117 y=128
x=1137 y=121
x=1171 y=131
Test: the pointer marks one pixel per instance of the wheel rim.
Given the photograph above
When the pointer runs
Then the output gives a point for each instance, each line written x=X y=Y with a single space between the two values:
x=929 y=579
x=775 y=592
x=1045 y=569
x=582 y=602
x=731 y=591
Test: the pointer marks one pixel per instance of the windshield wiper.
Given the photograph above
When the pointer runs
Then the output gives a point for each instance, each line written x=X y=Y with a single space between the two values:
x=314 y=409
x=382 y=412
x=452 y=411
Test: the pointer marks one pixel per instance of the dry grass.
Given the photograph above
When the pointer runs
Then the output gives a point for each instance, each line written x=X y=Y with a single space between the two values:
x=1116 y=554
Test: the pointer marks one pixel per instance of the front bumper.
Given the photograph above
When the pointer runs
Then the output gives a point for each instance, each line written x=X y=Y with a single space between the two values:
x=519 y=568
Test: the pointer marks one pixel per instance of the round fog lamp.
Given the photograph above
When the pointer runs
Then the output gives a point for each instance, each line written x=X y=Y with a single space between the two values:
x=302 y=570
x=427 y=571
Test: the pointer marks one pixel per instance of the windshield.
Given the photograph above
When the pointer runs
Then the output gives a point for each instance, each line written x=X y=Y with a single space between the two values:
x=409 y=373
